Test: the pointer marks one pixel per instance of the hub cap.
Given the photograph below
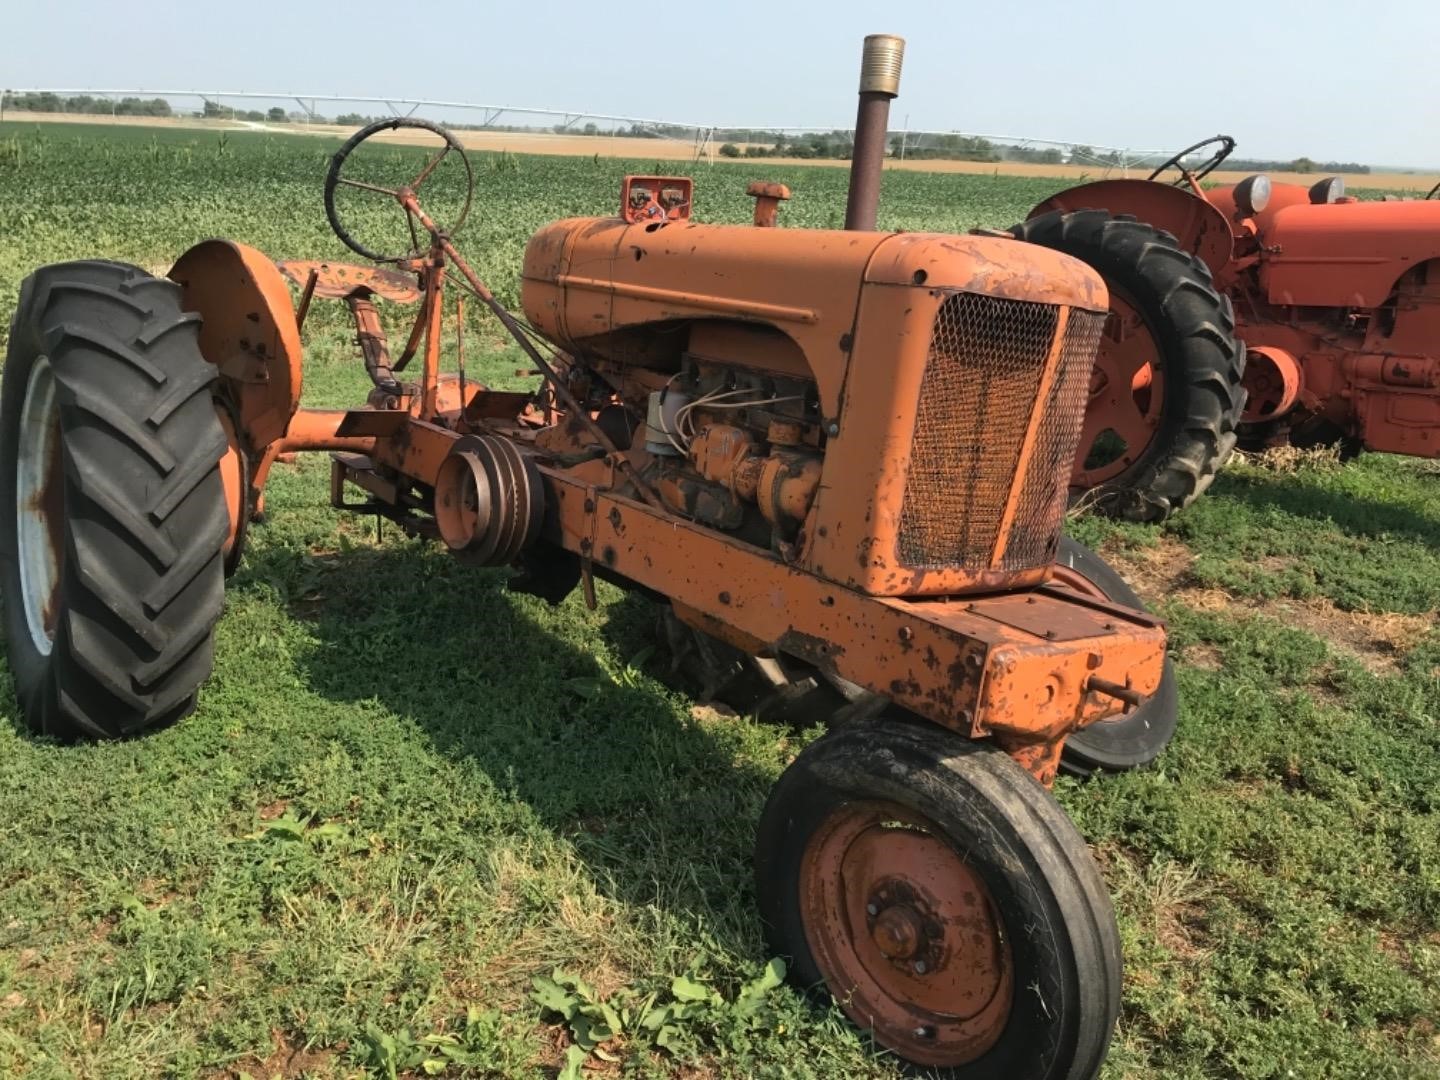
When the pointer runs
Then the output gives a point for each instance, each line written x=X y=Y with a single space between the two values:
x=40 y=506
x=906 y=934
x=1127 y=395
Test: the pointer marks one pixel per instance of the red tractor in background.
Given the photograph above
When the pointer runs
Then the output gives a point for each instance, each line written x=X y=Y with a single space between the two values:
x=1256 y=313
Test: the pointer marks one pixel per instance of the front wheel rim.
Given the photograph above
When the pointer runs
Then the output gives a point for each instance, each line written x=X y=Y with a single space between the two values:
x=906 y=934
x=40 y=506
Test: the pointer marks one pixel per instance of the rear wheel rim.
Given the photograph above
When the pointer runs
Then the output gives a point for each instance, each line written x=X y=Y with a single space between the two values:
x=234 y=476
x=906 y=934
x=1127 y=397
x=40 y=506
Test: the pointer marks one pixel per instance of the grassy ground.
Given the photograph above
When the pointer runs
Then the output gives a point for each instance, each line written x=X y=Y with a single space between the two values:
x=408 y=792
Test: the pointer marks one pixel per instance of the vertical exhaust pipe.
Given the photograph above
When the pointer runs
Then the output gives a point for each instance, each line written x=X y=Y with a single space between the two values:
x=879 y=83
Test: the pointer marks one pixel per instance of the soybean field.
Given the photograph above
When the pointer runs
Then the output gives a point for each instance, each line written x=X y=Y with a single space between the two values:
x=423 y=826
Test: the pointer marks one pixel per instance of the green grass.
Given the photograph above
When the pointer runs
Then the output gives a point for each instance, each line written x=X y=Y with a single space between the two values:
x=408 y=792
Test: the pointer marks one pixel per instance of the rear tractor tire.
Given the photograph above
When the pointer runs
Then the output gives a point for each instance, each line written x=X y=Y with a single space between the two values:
x=112 y=512
x=942 y=898
x=1166 y=396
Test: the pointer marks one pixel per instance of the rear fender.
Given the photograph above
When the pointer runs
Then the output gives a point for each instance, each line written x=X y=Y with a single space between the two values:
x=248 y=330
x=1198 y=227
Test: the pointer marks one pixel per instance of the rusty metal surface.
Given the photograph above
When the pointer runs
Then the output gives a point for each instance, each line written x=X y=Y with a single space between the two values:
x=768 y=197
x=880 y=63
x=336 y=281
x=653 y=200
x=588 y=281
x=903 y=413
x=234 y=476
x=960 y=663
x=867 y=161
x=489 y=500
x=907 y=934
x=1027 y=534
x=248 y=331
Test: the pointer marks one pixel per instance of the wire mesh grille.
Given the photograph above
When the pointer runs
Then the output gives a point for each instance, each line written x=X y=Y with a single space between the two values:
x=981 y=377
x=1035 y=529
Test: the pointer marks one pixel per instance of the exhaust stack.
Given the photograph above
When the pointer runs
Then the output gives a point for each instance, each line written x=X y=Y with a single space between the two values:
x=879 y=83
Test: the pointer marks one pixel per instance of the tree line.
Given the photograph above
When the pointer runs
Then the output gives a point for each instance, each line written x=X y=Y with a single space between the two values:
x=85 y=103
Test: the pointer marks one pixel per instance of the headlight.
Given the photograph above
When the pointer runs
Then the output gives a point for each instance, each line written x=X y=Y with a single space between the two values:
x=1329 y=190
x=1252 y=194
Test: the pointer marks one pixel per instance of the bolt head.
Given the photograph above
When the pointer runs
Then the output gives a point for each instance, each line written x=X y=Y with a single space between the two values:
x=832 y=429
x=920 y=967
x=872 y=909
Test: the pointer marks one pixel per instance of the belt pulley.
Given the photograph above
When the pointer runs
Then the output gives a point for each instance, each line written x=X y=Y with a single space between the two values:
x=489 y=500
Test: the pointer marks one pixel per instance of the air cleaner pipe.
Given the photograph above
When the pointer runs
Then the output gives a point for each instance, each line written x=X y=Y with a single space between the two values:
x=879 y=83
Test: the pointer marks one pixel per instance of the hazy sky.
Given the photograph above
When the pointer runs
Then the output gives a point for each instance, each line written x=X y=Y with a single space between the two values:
x=1353 y=81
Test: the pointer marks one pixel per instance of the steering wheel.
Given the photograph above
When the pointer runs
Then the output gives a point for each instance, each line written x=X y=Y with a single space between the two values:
x=334 y=179
x=1227 y=146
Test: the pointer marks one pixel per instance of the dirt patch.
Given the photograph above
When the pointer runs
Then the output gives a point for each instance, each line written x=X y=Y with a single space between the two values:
x=285 y=1060
x=1379 y=641
x=1204 y=657
x=1168 y=898
x=1293 y=459
x=1154 y=571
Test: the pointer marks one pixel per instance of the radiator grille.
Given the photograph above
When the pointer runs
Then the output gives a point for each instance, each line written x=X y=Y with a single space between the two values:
x=1035 y=529
x=987 y=357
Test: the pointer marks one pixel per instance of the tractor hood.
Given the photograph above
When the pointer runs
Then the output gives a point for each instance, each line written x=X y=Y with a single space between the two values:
x=1347 y=254
x=587 y=279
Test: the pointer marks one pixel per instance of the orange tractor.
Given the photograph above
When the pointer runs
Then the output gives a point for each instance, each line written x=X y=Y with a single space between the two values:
x=1336 y=302
x=844 y=452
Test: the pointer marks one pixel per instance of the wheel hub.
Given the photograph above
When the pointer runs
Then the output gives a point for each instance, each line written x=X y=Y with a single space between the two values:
x=906 y=934
x=40 y=506
x=898 y=932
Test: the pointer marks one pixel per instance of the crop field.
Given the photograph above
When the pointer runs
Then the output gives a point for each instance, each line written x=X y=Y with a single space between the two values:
x=420 y=825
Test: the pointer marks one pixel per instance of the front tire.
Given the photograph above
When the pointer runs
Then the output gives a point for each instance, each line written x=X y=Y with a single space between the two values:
x=112 y=514
x=944 y=900
x=1167 y=395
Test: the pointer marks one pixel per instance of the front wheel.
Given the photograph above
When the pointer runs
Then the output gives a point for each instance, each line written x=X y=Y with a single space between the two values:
x=112 y=511
x=944 y=900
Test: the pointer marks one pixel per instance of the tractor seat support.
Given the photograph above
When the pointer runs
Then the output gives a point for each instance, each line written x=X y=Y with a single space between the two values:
x=339 y=281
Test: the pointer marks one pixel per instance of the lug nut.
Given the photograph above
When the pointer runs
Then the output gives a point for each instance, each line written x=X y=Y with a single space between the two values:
x=872 y=909
x=920 y=967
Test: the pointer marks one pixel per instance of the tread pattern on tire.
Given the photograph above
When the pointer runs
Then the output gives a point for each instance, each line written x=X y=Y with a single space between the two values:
x=1203 y=355
x=900 y=760
x=141 y=585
